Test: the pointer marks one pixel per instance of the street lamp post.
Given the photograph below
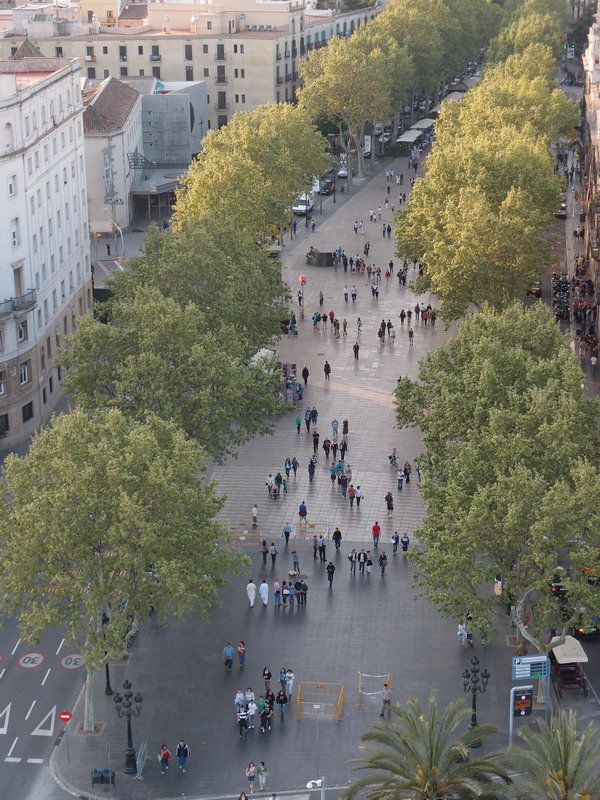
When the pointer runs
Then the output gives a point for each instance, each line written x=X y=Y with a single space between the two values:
x=125 y=708
x=319 y=783
x=471 y=684
x=108 y=690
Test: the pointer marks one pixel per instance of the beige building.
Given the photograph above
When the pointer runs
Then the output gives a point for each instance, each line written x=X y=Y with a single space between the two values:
x=45 y=277
x=247 y=51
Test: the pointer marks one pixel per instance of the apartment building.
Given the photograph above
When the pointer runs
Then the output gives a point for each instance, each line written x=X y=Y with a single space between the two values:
x=247 y=51
x=45 y=278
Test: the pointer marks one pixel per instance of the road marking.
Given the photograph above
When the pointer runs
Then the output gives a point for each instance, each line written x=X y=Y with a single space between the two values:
x=31 y=660
x=39 y=730
x=13 y=760
x=13 y=747
x=5 y=713
x=30 y=710
x=60 y=647
x=13 y=651
x=72 y=661
x=46 y=675
x=35 y=760
x=2 y=673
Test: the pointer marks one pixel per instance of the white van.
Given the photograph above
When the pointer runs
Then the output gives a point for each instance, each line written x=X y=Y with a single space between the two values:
x=304 y=204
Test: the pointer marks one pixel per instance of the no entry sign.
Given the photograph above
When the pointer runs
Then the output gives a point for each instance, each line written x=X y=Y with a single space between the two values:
x=65 y=716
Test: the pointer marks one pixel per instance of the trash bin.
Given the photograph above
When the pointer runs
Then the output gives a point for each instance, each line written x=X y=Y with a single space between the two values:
x=97 y=776
x=103 y=776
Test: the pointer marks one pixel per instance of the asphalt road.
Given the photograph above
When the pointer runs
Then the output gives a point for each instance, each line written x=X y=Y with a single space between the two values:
x=37 y=682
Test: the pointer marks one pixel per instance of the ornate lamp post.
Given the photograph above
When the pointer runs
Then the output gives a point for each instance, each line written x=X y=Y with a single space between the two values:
x=471 y=683
x=125 y=708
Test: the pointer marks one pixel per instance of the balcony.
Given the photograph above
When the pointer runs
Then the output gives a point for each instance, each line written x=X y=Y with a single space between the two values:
x=21 y=303
x=89 y=58
x=221 y=79
x=288 y=77
x=278 y=57
x=220 y=57
x=295 y=75
x=155 y=57
x=122 y=57
x=221 y=106
x=279 y=80
x=287 y=54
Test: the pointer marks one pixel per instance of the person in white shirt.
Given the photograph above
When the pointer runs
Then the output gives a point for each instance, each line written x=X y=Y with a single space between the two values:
x=264 y=593
x=289 y=683
x=251 y=592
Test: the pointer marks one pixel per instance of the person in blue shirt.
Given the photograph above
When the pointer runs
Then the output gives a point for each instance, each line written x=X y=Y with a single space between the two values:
x=228 y=655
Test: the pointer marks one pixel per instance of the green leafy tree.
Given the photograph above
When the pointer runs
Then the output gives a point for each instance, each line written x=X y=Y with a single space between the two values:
x=104 y=511
x=510 y=458
x=176 y=361
x=558 y=763
x=527 y=29
x=423 y=754
x=212 y=264
x=252 y=170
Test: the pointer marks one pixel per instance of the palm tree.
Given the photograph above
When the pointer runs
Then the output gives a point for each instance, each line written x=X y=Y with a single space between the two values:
x=417 y=755
x=559 y=765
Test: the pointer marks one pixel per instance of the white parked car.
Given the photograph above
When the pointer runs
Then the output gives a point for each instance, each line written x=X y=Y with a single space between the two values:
x=304 y=204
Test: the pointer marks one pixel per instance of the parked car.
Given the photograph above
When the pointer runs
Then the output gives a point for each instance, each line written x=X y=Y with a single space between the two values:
x=385 y=138
x=342 y=172
x=327 y=186
x=304 y=204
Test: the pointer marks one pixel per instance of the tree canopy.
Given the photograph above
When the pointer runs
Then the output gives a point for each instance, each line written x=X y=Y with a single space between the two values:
x=511 y=454
x=103 y=519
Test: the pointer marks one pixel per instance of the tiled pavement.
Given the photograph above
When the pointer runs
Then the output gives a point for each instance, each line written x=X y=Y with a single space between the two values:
x=360 y=391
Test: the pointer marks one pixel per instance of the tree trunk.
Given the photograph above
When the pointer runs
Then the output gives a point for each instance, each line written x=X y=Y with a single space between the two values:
x=88 y=713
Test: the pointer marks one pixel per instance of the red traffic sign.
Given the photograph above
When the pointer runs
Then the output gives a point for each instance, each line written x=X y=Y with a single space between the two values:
x=65 y=716
x=302 y=279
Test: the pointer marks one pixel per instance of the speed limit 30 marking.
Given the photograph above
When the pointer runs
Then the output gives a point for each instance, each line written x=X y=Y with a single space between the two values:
x=31 y=660
x=72 y=661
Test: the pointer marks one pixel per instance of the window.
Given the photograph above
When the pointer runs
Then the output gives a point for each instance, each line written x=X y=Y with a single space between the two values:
x=105 y=51
x=44 y=395
x=91 y=73
x=13 y=51
x=237 y=98
x=27 y=411
x=188 y=52
x=44 y=273
x=243 y=98
x=220 y=52
x=22 y=334
x=156 y=72
x=52 y=263
x=221 y=100
x=2 y=382
x=58 y=52
x=12 y=185
x=2 y=339
x=45 y=153
x=205 y=72
x=42 y=358
x=14 y=232
x=242 y=73
x=123 y=72
x=222 y=120
x=205 y=48
x=29 y=166
x=236 y=73
x=36 y=159
x=39 y=198
x=221 y=77
x=235 y=48
x=155 y=55
x=54 y=301
x=25 y=372
x=49 y=348
x=122 y=53
x=106 y=71
x=189 y=73
x=63 y=141
x=54 y=145
x=142 y=72
x=242 y=49
x=34 y=241
x=51 y=384
x=209 y=26
x=4 y=423
x=89 y=51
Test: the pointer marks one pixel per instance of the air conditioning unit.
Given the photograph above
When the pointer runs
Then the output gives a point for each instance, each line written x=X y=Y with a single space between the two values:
x=270 y=27
x=248 y=27
x=262 y=28
x=255 y=27
x=7 y=146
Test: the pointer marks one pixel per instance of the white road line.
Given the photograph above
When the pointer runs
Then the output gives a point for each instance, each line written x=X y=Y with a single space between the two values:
x=46 y=675
x=13 y=747
x=13 y=760
x=15 y=647
x=60 y=647
x=35 y=760
x=2 y=673
x=30 y=709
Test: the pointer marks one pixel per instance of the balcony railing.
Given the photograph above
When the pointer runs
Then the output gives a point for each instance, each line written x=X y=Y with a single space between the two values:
x=221 y=106
x=221 y=79
x=155 y=57
x=279 y=80
x=21 y=303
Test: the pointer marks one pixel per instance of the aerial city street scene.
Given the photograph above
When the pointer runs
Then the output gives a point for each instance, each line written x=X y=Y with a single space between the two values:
x=299 y=400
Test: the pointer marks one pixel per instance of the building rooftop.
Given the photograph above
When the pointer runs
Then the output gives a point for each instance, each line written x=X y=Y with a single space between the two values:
x=27 y=49
x=28 y=71
x=107 y=106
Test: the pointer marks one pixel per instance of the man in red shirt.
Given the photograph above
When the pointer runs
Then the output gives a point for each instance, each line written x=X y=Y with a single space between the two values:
x=376 y=531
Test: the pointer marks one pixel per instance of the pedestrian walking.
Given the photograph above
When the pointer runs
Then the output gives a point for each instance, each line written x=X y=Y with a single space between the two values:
x=359 y=496
x=307 y=419
x=303 y=513
x=369 y=564
x=182 y=753
x=411 y=336
x=277 y=592
x=264 y=550
x=295 y=465
x=354 y=294
x=305 y=374
x=352 y=558
x=358 y=326
x=382 y=561
x=330 y=573
x=461 y=634
x=264 y=593
x=400 y=479
x=337 y=539
x=343 y=448
x=334 y=428
x=327 y=370
x=321 y=546
x=285 y=593
x=267 y=678
x=289 y=683
x=404 y=541
x=263 y=773
x=287 y=529
x=346 y=293
x=252 y=709
x=314 y=415
x=273 y=553
x=334 y=449
x=250 y=773
x=356 y=349
x=316 y=438
x=395 y=540
x=164 y=757
x=251 y=592
x=389 y=501
x=351 y=494
x=282 y=676
x=387 y=700
x=407 y=471
x=326 y=446
x=241 y=649
x=362 y=560
x=295 y=561
x=228 y=656
x=255 y=515
x=376 y=532
x=298 y=592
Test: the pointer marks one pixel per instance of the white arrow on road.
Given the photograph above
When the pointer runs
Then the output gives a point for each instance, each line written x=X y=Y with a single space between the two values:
x=39 y=730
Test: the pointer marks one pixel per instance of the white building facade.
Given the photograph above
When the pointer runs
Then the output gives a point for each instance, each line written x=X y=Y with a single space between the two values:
x=45 y=273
